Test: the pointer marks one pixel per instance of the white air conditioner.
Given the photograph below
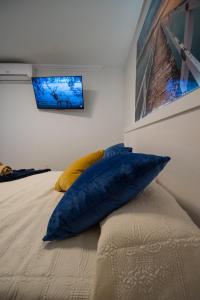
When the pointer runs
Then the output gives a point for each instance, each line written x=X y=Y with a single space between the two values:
x=15 y=72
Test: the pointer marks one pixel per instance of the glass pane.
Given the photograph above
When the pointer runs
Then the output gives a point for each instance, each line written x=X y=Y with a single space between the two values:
x=177 y=24
x=196 y=34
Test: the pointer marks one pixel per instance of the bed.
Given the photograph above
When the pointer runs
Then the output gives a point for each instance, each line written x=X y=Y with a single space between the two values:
x=148 y=249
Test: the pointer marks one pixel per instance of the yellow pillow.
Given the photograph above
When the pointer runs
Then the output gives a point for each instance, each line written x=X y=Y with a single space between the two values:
x=68 y=177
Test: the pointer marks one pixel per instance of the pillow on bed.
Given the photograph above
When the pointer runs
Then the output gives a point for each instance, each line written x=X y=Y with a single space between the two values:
x=116 y=149
x=68 y=177
x=101 y=189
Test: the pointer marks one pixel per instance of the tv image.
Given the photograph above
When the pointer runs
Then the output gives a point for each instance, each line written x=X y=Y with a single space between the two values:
x=58 y=92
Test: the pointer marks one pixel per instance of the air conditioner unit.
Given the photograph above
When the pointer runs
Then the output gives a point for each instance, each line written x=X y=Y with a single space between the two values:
x=15 y=72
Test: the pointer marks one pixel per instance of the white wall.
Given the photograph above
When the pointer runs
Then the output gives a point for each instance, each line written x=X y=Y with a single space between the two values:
x=177 y=136
x=48 y=138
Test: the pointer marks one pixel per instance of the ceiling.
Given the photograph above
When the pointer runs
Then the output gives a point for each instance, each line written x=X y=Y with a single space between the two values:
x=69 y=32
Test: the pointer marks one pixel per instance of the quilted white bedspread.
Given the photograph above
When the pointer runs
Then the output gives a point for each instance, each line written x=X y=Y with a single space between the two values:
x=29 y=268
x=147 y=250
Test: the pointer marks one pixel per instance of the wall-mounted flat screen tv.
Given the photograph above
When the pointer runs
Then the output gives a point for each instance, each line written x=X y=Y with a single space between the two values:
x=61 y=92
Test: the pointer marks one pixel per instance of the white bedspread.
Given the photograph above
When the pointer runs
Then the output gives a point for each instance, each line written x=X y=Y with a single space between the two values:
x=29 y=268
x=148 y=250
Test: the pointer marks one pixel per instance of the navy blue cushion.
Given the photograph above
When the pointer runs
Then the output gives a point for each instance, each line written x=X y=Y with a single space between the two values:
x=102 y=188
x=116 y=149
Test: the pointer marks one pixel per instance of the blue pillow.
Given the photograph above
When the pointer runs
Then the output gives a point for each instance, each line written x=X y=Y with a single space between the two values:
x=116 y=149
x=102 y=188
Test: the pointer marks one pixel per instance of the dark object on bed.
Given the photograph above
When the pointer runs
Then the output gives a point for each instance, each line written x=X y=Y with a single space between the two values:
x=102 y=188
x=18 y=174
x=116 y=149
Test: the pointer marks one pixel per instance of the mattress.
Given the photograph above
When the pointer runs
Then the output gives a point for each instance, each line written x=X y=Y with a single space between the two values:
x=148 y=249
x=29 y=268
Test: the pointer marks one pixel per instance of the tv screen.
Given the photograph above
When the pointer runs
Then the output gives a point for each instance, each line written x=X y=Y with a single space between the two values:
x=62 y=92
